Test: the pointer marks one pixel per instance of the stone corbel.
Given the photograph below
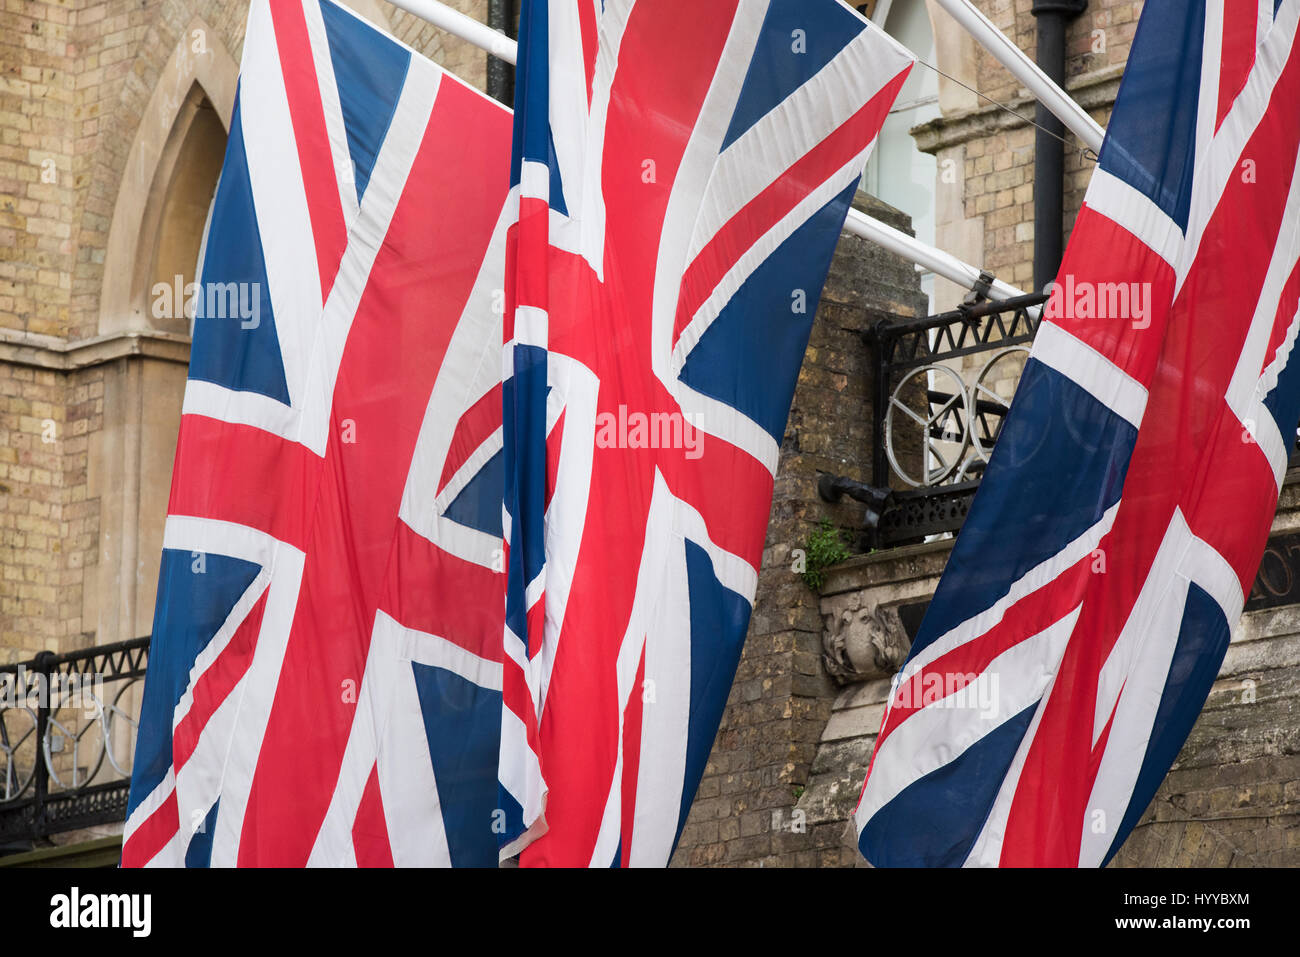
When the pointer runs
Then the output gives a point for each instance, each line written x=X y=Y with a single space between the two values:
x=864 y=644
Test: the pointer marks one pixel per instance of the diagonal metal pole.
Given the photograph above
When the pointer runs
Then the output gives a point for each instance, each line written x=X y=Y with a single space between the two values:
x=927 y=257
x=1075 y=118
x=460 y=25
x=858 y=223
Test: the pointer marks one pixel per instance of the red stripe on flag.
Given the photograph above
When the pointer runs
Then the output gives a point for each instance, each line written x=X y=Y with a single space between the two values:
x=474 y=428
x=554 y=448
x=147 y=840
x=735 y=508
x=216 y=683
x=264 y=480
x=1231 y=507
x=511 y=290
x=370 y=842
x=587 y=27
x=1099 y=749
x=1103 y=255
x=1287 y=308
x=1240 y=24
x=536 y=618
x=1028 y=617
x=766 y=209
x=531 y=232
x=433 y=591
x=306 y=111
x=518 y=699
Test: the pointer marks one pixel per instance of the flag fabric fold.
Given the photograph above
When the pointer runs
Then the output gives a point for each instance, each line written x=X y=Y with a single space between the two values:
x=1090 y=598
x=681 y=173
x=324 y=681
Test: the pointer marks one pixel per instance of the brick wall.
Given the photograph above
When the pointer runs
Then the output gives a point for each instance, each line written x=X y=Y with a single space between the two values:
x=36 y=150
x=31 y=402
x=1117 y=19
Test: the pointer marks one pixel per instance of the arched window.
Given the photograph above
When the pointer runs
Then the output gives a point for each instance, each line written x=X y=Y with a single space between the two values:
x=163 y=191
x=182 y=209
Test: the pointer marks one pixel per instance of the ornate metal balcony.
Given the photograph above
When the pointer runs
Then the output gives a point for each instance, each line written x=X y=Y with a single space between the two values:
x=942 y=388
x=67 y=736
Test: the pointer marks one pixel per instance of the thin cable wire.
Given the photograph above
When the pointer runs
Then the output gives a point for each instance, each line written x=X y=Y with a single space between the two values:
x=1084 y=151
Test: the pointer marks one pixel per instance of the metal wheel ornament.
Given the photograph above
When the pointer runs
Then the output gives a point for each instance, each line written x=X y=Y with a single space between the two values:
x=17 y=725
x=71 y=726
x=936 y=427
x=115 y=717
x=980 y=392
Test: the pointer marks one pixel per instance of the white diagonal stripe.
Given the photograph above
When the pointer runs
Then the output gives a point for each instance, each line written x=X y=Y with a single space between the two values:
x=1013 y=681
x=1091 y=371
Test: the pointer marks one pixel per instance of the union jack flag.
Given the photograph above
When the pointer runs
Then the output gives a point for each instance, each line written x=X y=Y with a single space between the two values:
x=1091 y=595
x=324 y=680
x=682 y=173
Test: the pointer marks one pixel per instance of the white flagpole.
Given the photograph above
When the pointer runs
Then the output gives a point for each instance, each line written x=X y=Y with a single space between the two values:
x=458 y=24
x=858 y=223
x=1026 y=71
x=928 y=257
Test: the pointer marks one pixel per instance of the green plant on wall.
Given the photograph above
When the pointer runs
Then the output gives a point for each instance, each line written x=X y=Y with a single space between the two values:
x=823 y=548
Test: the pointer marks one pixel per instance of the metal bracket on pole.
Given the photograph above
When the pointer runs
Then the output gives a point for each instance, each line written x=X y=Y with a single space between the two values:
x=1027 y=72
x=927 y=257
x=979 y=293
x=908 y=247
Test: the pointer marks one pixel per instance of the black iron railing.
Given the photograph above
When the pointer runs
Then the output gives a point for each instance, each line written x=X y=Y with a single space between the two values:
x=67 y=735
x=942 y=388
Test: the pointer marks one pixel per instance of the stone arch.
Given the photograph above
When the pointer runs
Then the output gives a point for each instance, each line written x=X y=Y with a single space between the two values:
x=167 y=170
x=177 y=210
x=188 y=112
x=195 y=90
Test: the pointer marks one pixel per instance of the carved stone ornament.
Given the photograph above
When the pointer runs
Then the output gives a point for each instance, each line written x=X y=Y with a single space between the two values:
x=863 y=644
